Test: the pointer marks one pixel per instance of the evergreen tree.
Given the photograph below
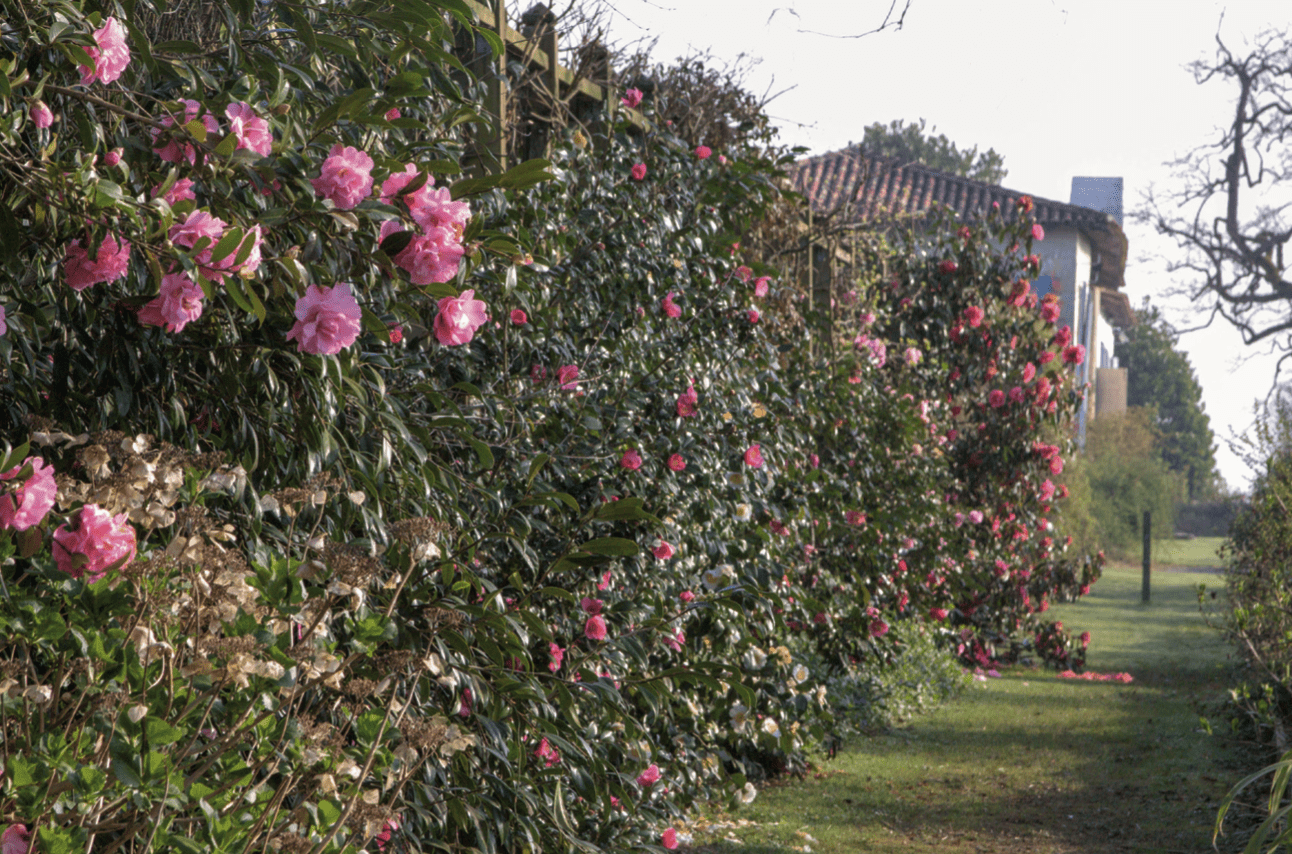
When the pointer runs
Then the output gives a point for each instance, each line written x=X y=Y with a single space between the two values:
x=911 y=143
x=1161 y=377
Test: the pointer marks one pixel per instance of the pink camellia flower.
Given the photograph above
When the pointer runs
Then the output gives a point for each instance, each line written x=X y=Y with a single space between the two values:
x=95 y=541
x=595 y=627
x=722 y=158
x=703 y=152
x=996 y=398
x=467 y=704
x=178 y=304
x=671 y=308
x=567 y=376
x=435 y=208
x=676 y=462
x=459 y=318
x=1016 y=394
x=15 y=840
x=913 y=355
x=754 y=456
x=327 y=320
x=687 y=401
x=686 y=596
x=397 y=181
x=854 y=517
x=111 y=54
x=1050 y=312
x=1029 y=372
x=639 y=171
x=41 y=115
x=396 y=333
x=663 y=551
x=537 y=373
x=518 y=317
x=200 y=226
x=631 y=460
x=814 y=461
x=1038 y=233
x=4 y=327
x=1085 y=639
x=547 y=753
x=345 y=178
x=649 y=777
x=743 y=273
x=1063 y=337
x=556 y=655
x=668 y=839
x=251 y=130
x=938 y=613
x=754 y=316
x=172 y=151
x=110 y=263
x=878 y=628
x=180 y=191
x=28 y=506
x=761 y=286
x=392 y=114
x=948 y=266
x=632 y=98
x=1047 y=489
x=431 y=257
x=974 y=315
x=1074 y=355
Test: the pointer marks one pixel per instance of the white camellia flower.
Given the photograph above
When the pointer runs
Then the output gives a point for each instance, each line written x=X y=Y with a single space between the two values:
x=744 y=512
x=748 y=793
x=771 y=727
x=800 y=673
x=755 y=658
x=740 y=717
x=718 y=576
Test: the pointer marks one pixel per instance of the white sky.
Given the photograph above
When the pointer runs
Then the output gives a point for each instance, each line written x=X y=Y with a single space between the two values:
x=1058 y=87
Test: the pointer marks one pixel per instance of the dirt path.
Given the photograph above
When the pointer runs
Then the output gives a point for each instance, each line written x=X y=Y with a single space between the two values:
x=1029 y=762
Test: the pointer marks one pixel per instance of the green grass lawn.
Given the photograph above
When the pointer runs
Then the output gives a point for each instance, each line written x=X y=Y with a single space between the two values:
x=1200 y=551
x=1030 y=762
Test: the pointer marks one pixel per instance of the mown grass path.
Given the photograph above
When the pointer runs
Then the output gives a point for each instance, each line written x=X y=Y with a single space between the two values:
x=1029 y=762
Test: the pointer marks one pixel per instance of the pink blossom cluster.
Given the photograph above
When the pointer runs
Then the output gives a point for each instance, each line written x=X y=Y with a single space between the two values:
x=108 y=264
x=1091 y=676
x=327 y=320
x=435 y=251
x=110 y=53
x=92 y=542
x=30 y=503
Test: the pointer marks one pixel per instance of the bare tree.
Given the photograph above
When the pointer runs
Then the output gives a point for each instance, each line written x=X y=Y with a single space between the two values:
x=1229 y=211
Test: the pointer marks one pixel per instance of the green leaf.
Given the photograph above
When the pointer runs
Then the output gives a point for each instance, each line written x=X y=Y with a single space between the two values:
x=482 y=453
x=617 y=546
x=197 y=130
x=535 y=466
x=126 y=773
x=227 y=145
x=160 y=733
x=369 y=725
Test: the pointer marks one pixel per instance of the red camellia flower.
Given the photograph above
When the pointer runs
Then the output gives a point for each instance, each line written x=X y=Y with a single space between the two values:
x=1074 y=355
x=754 y=456
x=649 y=777
x=663 y=551
x=878 y=628
x=938 y=613
x=639 y=171
x=591 y=606
x=518 y=317
x=703 y=152
x=396 y=333
x=996 y=398
x=948 y=266
x=754 y=316
x=567 y=375
x=631 y=460
x=668 y=839
x=676 y=462
x=595 y=628
x=974 y=315
x=1025 y=202
x=1038 y=233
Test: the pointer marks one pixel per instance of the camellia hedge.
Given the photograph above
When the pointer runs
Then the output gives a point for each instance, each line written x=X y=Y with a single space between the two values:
x=356 y=503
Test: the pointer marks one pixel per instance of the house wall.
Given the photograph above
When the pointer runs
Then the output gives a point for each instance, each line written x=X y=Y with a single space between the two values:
x=1066 y=256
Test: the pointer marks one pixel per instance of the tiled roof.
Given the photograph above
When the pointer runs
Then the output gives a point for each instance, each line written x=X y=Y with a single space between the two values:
x=875 y=188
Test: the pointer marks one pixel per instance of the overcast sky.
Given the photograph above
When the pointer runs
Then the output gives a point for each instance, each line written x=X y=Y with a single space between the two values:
x=1058 y=87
